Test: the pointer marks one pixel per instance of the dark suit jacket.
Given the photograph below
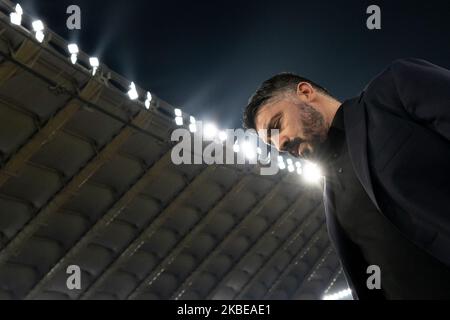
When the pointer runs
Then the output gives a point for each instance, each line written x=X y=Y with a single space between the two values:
x=398 y=135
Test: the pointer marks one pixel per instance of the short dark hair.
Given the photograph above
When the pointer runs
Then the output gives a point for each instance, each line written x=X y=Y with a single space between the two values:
x=270 y=88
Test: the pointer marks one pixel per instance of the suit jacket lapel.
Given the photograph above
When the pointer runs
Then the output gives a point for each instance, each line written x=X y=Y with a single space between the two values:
x=356 y=135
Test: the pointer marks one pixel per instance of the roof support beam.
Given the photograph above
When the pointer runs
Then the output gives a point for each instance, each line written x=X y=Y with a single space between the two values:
x=149 y=231
x=224 y=242
x=153 y=173
x=294 y=262
x=323 y=257
x=330 y=282
x=17 y=244
x=27 y=54
x=334 y=278
x=281 y=249
x=188 y=238
x=270 y=231
x=16 y=163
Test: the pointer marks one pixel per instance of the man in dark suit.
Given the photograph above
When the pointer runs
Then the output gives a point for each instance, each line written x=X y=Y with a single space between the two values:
x=386 y=161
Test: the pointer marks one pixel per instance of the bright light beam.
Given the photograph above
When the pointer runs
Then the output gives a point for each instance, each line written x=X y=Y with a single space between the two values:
x=132 y=93
x=223 y=136
x=16 y=16
x=210 y=131
x=38 y=27
x=193 y=124
x=312 y=173
x=339 y=295
x=73 y=50
x=94 y=64
x=281 y=163
x=249 y=150
x=148 y=100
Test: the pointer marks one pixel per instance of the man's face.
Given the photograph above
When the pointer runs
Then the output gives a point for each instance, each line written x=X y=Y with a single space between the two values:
x=301 y=127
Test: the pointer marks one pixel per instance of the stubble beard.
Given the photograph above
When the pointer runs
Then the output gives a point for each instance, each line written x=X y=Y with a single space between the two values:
x=313 y=124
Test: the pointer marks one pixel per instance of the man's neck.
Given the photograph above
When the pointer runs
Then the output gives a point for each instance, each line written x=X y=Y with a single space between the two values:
x=330 y=107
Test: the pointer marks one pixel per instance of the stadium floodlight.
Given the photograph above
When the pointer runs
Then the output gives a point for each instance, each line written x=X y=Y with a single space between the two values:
x=94 y=64
x=38 y=27
x=73 y=50
x=178 y=117
x=179 y=121
x=40 y=36
x=299 y=167
x=193 y=124
x=249 y=150
x=291 y=168
x=312 y=173
x=281 y=163
x=16 y=16
x=148 y=100
x=347 y=293
x=223 y=136
x=210 y=131
x=132 y=93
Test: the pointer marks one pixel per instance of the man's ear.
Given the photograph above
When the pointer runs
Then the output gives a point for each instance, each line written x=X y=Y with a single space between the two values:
x=305 y=91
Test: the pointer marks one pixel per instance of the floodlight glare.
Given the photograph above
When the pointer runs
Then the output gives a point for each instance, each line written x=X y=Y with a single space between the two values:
x=94 y=64
x=178 y=113
x=249 y=150
x=291 y=168
x=132 y=93
x=149 y=100
x=281 y=163
x=19 y=9
x=16 y=17
x=339 y=295
x=193 y=128
x=312 y=172
x=223 y=136
x=210 y=131
x=73 y=50
x=38 y=25
x=179 y=121
x=40 y=36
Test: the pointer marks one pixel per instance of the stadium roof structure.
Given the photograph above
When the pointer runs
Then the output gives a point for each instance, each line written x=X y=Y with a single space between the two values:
x=86 y=179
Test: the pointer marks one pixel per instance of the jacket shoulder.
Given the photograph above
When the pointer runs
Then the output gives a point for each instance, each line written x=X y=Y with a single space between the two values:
x=396 y=66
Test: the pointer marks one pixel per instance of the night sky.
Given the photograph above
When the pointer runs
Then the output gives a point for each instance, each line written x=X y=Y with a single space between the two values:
x=208 y=57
